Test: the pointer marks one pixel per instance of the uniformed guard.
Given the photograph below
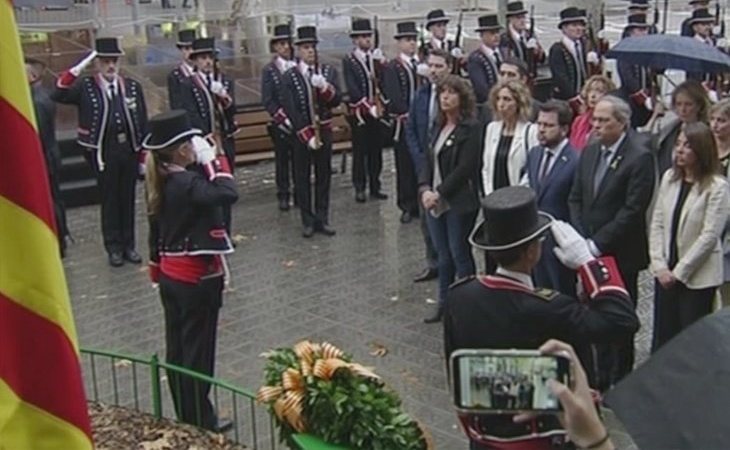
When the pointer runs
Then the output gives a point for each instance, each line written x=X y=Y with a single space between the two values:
x=280 y=128
x=363 y=69
x=701 y=22
x=437 y=25
x=506 y=311
x=640 y=8
x=187 y=244
x=112 y=117
x=696 y=5
x=636 y=79
x=309 y=93
x=400 y=83
x=483 y=64
x=182 y=71
x=569 y=59
x=516 y=42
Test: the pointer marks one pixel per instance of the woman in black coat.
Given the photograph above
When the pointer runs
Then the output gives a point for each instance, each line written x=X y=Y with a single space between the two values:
x=448 y=184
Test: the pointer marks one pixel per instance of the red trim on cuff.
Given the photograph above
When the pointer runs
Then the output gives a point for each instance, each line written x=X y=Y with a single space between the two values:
x=305 y=134
x=223 y=166
x=280 y=116
x=639 y=97
x=209 y=170
x=602 y=275
x=142 y=156
x=65 y=80
x=328 y=92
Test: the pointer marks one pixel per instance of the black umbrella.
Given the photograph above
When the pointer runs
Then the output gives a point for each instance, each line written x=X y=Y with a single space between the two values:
x=680 y=398
x=664 y=51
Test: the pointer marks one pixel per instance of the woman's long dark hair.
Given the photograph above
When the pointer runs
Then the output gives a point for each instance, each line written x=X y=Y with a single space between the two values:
x=702 y=142
x=467 y=102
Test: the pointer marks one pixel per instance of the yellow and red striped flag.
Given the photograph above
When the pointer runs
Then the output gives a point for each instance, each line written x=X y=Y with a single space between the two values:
x=42 y=400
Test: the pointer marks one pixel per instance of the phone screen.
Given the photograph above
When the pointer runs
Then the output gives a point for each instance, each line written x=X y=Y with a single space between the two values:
x=504 y=381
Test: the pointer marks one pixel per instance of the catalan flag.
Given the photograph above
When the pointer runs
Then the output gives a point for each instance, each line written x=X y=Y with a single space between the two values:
x=42 y=401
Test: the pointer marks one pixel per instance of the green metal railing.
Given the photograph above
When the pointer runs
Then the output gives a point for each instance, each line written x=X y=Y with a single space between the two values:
x=116 y=378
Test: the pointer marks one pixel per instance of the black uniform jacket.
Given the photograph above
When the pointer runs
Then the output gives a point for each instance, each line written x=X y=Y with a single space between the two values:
x=361 y=87
x=564 y=69
x=400 y=83
x=201 y=105
x=175 y=81
x=272 y=83
x=190 y=221
x=483 y=74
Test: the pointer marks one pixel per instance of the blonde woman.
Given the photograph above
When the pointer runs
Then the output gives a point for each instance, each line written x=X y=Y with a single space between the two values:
x=685 y=235
x=595 y=88
x=720 y=125
x=508 y=138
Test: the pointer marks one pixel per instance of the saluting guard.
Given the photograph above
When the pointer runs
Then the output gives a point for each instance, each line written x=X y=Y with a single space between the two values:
x=112 y=121
x=363 y=69
x=636 y=79
x=280 y=128
x=569 y=58
x=309 y=93
x=484 y=62
x=182 y=71
x=515 y=42
x=399 y=84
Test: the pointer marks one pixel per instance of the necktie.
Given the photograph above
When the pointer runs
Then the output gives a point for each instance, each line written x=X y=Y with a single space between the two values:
x=367 y=61
x=414 y=64
x=497 y=59
x=601 y=169
x=521 y=47
x=112 y=91
x=432 y=105
x=581 y=63
x=548 y=155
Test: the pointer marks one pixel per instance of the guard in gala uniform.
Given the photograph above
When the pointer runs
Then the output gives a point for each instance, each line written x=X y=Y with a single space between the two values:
x=309 y=93
x=182 y=71
x=112 y=123
x=484 y=62
x=569 y=59
x=516 y=42
x=636 y=79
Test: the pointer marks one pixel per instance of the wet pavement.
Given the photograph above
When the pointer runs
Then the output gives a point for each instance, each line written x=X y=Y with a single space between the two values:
x=354 y=289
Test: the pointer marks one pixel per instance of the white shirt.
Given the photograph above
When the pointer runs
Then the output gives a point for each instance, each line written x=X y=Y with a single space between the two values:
x=613 y=148
x=519 y=276
x=106 y=83
x=281 y=64
x=569 y=44
x=516 y=35
x=703 y=40
x=362 y=55
x=438 y=43
x=407 y=59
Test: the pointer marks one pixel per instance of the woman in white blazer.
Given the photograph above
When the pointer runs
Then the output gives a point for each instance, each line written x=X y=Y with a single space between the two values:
x=685 y=236
x=720 y=125
x=509 y=138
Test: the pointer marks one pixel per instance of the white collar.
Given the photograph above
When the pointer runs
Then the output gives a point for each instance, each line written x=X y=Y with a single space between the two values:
x=281 y=63
x=516 y=35
x=106 y=83
x=701 y=39
x=187 y=68
x=361 y=54
x=439 y=43
x=407 y=59
x=304 y=68
x=613 y=148
x=489 y=51
x=519 y=276
x=569 y=44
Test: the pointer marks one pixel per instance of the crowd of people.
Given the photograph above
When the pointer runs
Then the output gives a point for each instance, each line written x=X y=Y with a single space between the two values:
x=614 y=180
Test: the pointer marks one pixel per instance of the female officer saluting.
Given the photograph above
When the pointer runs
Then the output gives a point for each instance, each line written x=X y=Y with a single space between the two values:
x=187 y=243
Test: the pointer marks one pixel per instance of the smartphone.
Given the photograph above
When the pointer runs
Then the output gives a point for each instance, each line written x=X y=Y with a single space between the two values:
x=506 y=381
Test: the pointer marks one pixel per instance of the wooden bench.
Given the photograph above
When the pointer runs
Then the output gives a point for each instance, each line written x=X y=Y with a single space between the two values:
x=253 y=143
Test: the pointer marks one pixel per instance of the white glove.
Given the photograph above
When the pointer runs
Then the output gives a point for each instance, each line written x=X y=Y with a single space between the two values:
x=648 y=104
x=712 y=95
x=319 y=81
x=456 y=52
x=572 y=249
x=204 y=152
x=312 y=143
x=78 y=68
x=373 y=110
x=287 y=123
x=531 y=43
x=378 y=55
x=218 y=89
x=722 y=43
x=592 y=57
x=716 y=30
x=422 y=70
x=601 y=34
x=289 y=65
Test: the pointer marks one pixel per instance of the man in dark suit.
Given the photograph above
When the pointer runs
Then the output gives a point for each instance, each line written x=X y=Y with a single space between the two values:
x=550 y=172
x=182 y=71
x=569 y=59
x=419 y=133
x=608 y=205
x=112 y=124
x=45 y=115
x=362 y=69
x=280 y=128
x=309 y=93
x=483 y=63
x=636 y=79
x=400 y=82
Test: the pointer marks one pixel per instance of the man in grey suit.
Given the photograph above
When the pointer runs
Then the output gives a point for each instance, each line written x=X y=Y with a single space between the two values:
x=608 y=203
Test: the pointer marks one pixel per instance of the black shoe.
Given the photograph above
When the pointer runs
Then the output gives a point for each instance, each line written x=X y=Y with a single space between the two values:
x=326 y=230
x=378 y=196
x=426 y=275
x=307 y=232
x=116 y=259
x=283 y=205
x=436 y=317
x=406 y=217
x=360 y=197
x=223 y=425
x=132 y=256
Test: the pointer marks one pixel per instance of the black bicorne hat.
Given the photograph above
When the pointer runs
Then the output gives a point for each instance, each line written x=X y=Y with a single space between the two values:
x=203 y=45
x=488 y=23
x=694 y=2
x=169 y=128
x=637 y=21
x=515 y=9
x=571 y=14
x=511 y=219
x=361 y=27
x=436 y=16
x=281 y=32
x=306 y=35
x=639 y=4
x=406 y=29
x=185 y=37
x=700 y=16
x=108 y=47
